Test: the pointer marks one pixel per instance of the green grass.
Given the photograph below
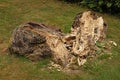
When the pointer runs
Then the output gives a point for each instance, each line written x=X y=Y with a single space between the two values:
x=52 y=12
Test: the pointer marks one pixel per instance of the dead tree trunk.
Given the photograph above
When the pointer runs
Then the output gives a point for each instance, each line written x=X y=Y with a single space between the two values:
x=37 y=41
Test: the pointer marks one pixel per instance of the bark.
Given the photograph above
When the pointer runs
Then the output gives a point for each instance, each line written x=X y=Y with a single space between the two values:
x=37 y=41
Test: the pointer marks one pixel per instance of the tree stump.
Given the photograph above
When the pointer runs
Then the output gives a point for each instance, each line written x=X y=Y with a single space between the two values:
x=38 y=41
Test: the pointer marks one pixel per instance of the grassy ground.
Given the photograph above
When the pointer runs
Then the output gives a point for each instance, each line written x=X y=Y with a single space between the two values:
x=52 y=12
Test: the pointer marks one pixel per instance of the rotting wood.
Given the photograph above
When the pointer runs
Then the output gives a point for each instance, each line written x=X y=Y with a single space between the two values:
x=38 y=41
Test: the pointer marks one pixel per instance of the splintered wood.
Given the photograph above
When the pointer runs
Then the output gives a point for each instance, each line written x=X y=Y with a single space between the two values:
x=38 y=41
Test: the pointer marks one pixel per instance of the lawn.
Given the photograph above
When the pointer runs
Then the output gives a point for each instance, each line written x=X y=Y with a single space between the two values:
x=54 y=13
